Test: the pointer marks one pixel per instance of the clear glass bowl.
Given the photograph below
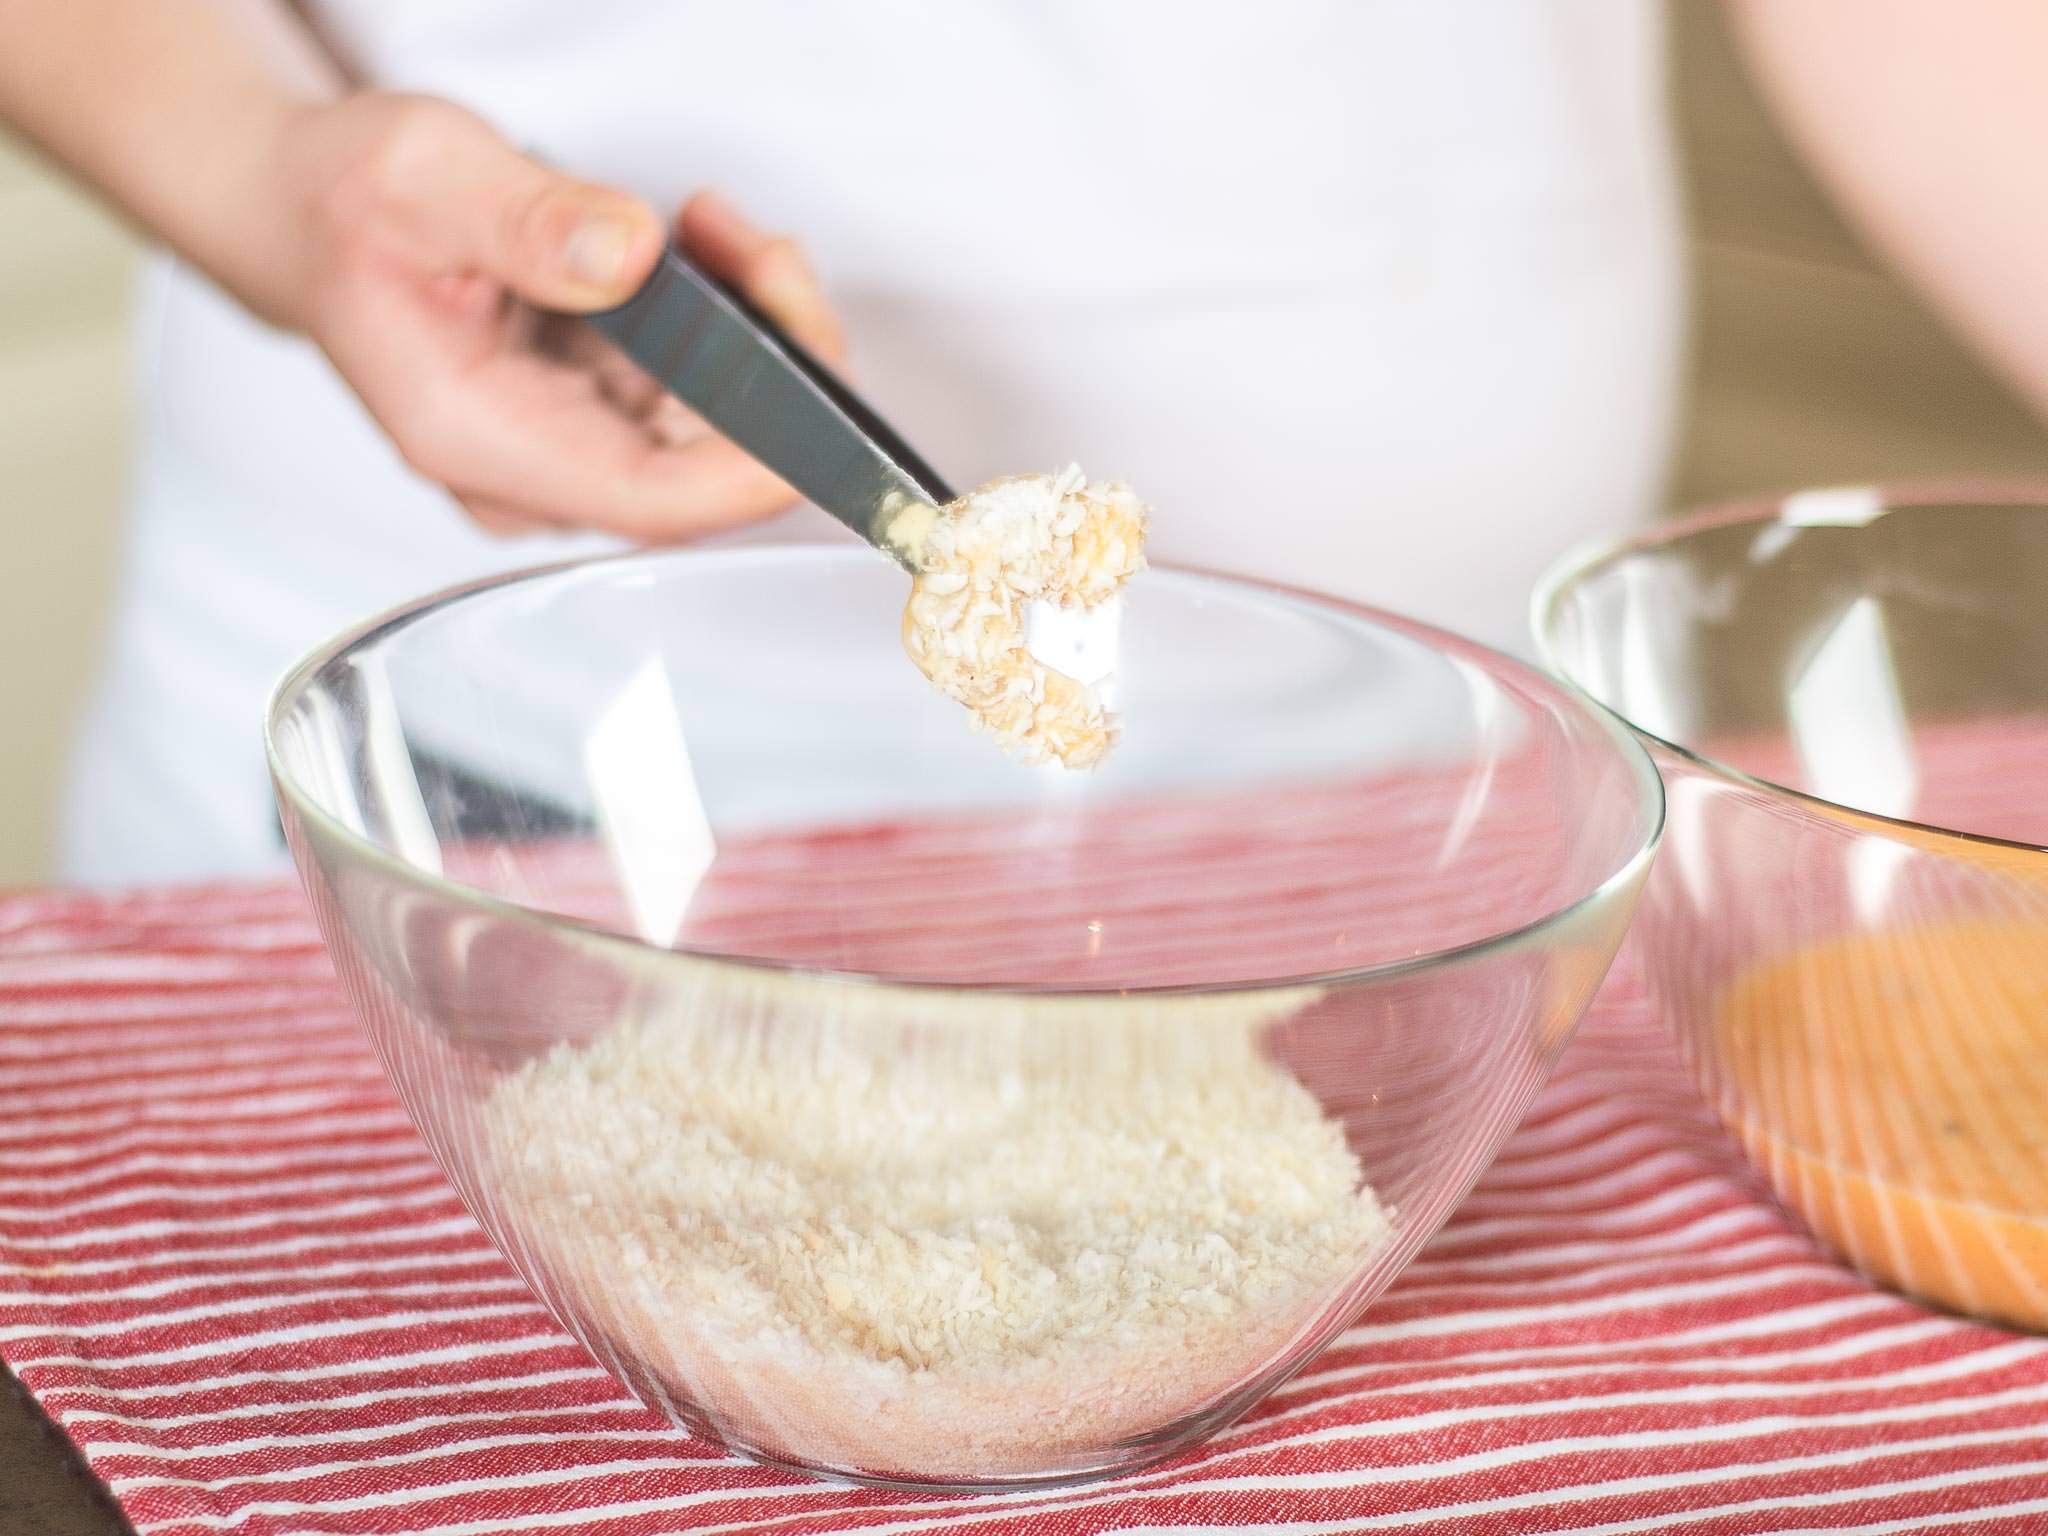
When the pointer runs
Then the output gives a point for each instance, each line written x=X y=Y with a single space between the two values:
x=891 y=1109
x=1847 y=693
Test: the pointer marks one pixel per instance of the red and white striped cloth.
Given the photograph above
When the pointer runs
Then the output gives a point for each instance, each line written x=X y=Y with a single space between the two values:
x=231 y=1274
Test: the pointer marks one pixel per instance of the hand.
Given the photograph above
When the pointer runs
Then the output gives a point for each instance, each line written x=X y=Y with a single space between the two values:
x=429 y=248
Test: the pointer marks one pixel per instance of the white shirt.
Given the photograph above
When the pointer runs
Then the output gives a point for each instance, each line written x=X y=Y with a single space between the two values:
x=1379 y=297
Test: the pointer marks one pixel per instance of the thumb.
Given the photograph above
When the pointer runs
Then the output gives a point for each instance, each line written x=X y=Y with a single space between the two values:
x=553 y=240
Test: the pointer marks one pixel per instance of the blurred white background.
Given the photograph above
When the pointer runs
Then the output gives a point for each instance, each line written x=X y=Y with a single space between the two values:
x=1809 y=366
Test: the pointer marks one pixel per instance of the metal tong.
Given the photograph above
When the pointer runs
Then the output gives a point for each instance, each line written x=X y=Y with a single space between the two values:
x=738 y=370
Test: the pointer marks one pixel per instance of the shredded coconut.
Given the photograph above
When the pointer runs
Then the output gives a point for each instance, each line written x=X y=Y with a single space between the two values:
x=970 y=1238
x=1061 y=539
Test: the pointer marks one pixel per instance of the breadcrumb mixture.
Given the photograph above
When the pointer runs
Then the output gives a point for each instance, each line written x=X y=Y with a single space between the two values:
x=1061 y=539
x=972 y=1242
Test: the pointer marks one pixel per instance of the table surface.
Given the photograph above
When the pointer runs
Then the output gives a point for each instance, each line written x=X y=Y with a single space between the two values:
x=1617 y=1333
x=45 y=1488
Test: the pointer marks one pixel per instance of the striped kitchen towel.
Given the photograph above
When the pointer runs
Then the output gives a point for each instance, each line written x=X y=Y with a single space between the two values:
x=231 y=1274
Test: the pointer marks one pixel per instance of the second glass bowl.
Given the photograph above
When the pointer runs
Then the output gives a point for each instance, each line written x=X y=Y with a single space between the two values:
x=1847 y=693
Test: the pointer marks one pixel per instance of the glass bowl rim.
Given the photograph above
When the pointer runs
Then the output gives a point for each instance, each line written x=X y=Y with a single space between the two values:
x=285 y=692
x=1908 y=498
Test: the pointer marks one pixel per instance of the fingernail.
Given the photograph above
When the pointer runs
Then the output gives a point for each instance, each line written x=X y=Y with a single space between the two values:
x=596 y=250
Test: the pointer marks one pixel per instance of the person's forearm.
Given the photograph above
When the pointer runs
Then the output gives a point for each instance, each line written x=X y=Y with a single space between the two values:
x=1926 y=120
x=176 y=112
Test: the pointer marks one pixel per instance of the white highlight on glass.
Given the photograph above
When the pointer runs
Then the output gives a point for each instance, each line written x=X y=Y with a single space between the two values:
x=387 y=764
x=1840 y=506
x=649 y=809
x=1848 y=723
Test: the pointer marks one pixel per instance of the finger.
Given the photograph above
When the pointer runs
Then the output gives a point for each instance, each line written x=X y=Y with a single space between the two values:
x=502 y=521
x=672 y=422
x=650 y=492
x=636 y=392
x=769 y=269
x=539 y=439
x=480 y=205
